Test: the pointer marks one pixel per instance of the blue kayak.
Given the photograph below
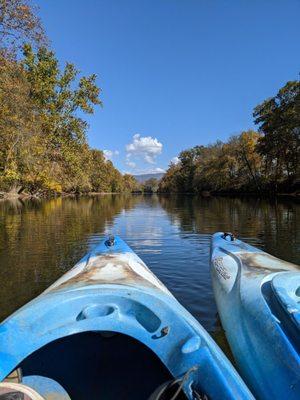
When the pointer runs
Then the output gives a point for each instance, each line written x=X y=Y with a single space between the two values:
x=258 y=299
x=110 y=329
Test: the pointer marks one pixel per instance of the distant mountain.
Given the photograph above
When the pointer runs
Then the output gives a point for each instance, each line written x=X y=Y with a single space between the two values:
x=144 y=177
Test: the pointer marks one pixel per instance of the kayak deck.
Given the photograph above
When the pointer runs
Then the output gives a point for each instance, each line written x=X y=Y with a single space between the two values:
x=110 y=324
x=286 y=287
x=258 y=302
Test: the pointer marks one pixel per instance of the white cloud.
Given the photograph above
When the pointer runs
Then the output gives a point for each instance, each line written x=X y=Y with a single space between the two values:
x=109 y=154
x=130 y=164
x=175 y=160
x=142 y=171
x=149 y=159
x=145 y=147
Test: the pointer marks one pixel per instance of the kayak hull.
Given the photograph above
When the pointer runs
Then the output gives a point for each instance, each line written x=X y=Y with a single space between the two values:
x=111 y=291
x=264 y=343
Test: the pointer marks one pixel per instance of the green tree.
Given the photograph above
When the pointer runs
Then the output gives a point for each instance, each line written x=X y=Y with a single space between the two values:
x=279 y=122
x=188 y=165
x=116 y=179
x=231 y=166
x=130 y=183
x=19 y=125
x=213 y=168
x=43 y=145
x=103 y=175
x=249 y=160
x=58 y=97
x=150 y=185
x=170 y=181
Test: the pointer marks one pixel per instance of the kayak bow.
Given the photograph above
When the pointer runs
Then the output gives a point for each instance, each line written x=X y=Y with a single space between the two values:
x=109 y=328
x=258 y=299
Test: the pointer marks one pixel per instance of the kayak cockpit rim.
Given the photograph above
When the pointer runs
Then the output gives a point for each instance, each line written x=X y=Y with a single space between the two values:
x=129 y=313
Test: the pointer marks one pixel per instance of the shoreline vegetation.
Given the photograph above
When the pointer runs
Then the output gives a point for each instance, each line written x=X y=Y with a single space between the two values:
x=7 y=196
x=44 y=150
x=266 y=162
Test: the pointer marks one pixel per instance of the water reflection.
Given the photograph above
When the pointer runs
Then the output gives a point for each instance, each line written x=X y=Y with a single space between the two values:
x=269 y=225
x=40 y=240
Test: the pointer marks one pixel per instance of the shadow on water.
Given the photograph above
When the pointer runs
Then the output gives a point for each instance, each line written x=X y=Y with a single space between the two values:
x=40 y=240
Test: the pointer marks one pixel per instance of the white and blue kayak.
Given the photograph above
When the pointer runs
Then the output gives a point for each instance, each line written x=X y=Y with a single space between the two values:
x=109 y=329
x=258 y=299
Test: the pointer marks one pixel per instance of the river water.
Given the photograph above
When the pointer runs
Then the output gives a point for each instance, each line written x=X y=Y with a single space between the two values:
x=42 y=239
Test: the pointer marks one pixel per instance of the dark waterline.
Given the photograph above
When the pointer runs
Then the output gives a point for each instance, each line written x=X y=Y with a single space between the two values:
x=41 y=240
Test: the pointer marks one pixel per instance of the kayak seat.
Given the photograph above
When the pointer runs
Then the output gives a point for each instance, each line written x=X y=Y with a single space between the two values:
x=93 y=366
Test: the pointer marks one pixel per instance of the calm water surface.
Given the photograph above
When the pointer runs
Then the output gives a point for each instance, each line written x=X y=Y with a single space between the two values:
x=41 y=240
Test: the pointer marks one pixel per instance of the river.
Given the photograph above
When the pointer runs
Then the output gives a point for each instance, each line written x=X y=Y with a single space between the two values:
x=42 y=239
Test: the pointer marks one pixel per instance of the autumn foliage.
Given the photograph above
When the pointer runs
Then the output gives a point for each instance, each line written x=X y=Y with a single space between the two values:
x=43 y=134
x=267 y=161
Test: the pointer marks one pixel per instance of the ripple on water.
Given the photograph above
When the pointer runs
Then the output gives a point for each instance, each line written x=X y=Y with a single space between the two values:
x=39 y=241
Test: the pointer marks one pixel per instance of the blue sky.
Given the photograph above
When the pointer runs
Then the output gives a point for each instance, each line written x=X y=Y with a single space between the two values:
x=174 y=73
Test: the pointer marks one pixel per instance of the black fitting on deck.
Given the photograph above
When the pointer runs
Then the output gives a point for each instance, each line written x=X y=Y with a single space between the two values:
x=110 y=241
x=231 y=235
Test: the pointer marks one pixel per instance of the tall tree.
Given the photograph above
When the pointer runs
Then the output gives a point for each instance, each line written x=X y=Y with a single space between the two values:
x=279 y=122
x=43 y=144
x=249 y=167
x=19 y=124
x=58 y=97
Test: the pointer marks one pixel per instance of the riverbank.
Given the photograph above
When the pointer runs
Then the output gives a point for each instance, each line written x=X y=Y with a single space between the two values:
x=263 y=195
x=13 y=195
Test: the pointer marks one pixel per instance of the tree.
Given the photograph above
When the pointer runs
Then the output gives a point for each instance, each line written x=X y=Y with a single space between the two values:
x=170 y=180
x=58 y=96
x=130 y=183
x=103 y=175
x=250 y=163
x=43 y=144
x=19 y=23
x=219 y=167
x=150 y=185
x=187 y=160
x=279 y=122
x=19 y=125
